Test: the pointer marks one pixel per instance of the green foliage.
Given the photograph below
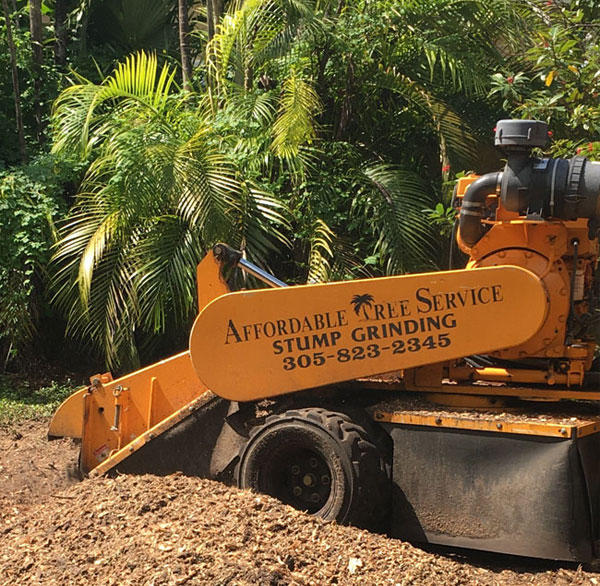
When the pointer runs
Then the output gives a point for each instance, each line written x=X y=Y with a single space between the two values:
x=126 y=26
x=396 y=68
x=158 y=193
x=28 y=208
x=559 y=79
x=320 y=255
x=320 y=138
x=19 y=400
x=442 y=217
x=49 y=89
x=253 y=36
x=389 y=205
x=294 y=126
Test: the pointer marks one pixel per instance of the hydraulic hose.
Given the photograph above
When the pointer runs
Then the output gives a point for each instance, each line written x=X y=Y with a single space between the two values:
x=473 y=206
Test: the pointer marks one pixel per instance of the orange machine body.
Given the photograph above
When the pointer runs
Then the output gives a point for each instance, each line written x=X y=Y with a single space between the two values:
x=547 y=249
x=280 y=382
x=513 y=302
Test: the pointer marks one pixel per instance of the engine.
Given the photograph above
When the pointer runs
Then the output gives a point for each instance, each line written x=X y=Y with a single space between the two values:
x=541 y=214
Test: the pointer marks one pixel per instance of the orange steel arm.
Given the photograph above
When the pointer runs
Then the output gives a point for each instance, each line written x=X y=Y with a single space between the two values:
x=264 y=343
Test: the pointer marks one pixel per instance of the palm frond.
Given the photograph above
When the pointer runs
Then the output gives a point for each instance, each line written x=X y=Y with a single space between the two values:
x=295 y=124
x=262 y=224
x=84 y=113
x=165 y=258
x=462 y=75
x=394 y=202
x=254 y=32
x=456 y=140
x=157 y=194
x=321 y=254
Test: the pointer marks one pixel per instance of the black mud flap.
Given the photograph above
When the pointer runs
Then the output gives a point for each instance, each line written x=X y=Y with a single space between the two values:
x=517 y=494
x=203 y=444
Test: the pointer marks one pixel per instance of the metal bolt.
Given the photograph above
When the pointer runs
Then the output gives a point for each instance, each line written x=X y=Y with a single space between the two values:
x=499 y=425
x=314 y=497
x=325 y=479
x=313 y=462
x=295 y=469
x=438 y=421
x=297 y=491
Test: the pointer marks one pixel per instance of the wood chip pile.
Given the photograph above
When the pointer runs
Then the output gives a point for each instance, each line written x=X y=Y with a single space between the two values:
x=180 y=530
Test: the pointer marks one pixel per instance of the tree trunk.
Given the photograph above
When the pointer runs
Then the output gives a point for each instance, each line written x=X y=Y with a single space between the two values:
x=346 y=108
x=15 y=82
x=60 y=32
x=217 y=12
x=186 y=67
x=35 y=28
x=210 y=20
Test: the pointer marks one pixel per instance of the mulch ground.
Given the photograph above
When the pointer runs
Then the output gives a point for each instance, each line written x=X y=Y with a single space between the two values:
x=179 y=530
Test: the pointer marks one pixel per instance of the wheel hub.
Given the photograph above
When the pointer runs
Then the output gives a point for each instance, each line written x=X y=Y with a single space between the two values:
x=305 y=482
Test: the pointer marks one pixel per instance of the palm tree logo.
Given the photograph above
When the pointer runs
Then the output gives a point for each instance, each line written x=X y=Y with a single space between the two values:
x=361 y=302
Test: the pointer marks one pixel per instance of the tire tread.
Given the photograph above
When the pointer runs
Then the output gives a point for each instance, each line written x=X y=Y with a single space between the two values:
x=370 y=509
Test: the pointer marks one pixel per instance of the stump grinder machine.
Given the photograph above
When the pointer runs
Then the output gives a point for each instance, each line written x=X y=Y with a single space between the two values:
x=456 y=407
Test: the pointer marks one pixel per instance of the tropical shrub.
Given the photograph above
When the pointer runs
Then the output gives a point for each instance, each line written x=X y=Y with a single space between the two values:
x=29 y=205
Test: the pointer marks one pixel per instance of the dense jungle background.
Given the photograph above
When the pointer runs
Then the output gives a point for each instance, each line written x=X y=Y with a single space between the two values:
x=320 y=137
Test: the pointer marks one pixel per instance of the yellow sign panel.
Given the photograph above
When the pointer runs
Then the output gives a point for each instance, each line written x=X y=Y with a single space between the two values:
x=256 y=344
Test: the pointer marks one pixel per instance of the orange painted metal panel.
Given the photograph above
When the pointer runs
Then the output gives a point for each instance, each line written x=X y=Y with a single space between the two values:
x=256 y=344
x=491 y=390
x=67 y=420
x=141 y=440
x=491 y=425
x=209 y=280
x=145 y=398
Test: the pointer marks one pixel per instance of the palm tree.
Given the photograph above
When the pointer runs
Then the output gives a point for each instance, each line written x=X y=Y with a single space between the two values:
x=360 y=302
x=409 y=56
x=378 y=87
x=159 y=191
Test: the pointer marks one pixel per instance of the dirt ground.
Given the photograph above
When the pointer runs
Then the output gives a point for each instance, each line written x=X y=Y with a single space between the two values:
x=179 y=530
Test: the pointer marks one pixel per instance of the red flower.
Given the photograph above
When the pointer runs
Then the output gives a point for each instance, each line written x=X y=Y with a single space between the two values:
x=590 y=146
x=578 y=150
x=550 y=133
x=510 y=79
x=445 y=168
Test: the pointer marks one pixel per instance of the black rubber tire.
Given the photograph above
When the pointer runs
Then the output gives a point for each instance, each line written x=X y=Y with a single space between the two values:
x=317 y=440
